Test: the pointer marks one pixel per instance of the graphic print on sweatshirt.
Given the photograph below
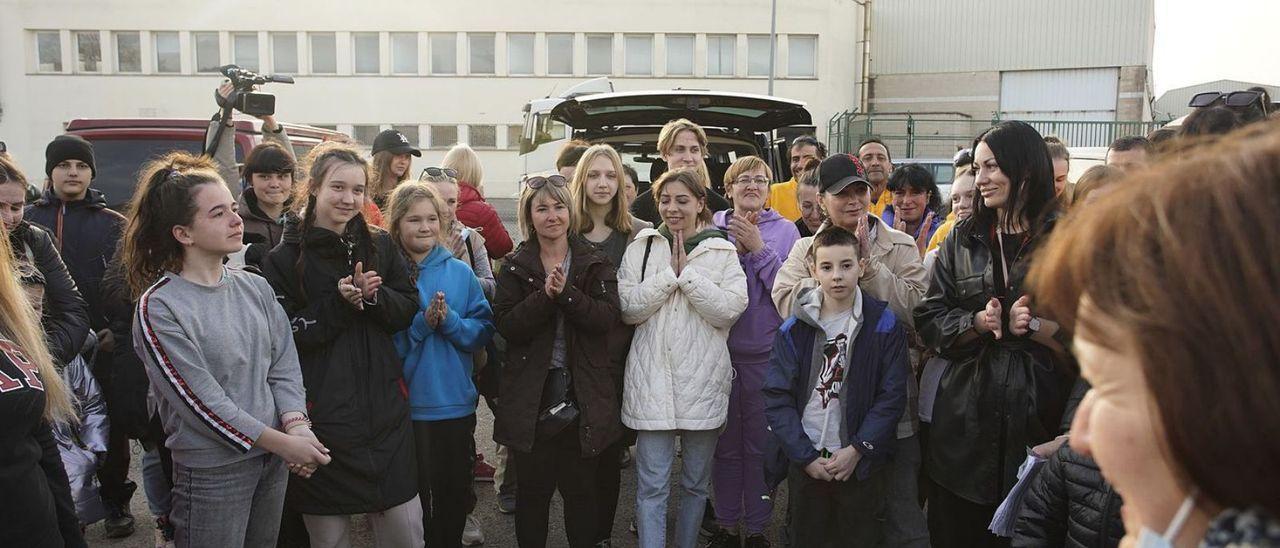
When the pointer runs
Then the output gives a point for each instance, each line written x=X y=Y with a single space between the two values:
x=831 y=377
x=19 y=373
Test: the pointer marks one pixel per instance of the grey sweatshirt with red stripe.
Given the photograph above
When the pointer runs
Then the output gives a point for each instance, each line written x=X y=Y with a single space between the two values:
x=222 y=364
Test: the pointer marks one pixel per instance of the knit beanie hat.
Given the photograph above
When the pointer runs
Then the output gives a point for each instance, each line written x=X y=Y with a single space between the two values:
x=68 y=147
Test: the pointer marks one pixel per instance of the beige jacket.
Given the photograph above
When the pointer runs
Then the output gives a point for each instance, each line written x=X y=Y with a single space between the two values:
x=894 y=273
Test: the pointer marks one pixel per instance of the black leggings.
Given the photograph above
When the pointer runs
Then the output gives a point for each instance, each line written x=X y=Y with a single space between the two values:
x=445 y=459
x=556 y=463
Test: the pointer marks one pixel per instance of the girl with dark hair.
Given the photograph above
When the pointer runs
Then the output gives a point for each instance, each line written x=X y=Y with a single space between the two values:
x=1009 y=382
x=454 y=321
x=346 y=291
x=916 y=204
x=228 y=392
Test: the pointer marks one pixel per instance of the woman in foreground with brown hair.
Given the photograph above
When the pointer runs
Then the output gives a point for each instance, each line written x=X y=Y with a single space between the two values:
x=1173 y=309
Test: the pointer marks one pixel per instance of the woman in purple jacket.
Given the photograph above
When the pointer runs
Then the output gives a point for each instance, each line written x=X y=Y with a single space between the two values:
x=763 y=238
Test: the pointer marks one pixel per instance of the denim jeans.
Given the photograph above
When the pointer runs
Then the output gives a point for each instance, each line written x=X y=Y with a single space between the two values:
x=155 y=484
x=237 y=504
x=655 y=453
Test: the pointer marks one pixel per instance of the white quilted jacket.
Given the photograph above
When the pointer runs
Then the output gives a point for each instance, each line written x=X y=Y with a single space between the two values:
x=678 y=373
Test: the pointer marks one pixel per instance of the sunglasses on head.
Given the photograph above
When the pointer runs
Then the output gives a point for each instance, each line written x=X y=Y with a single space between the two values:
x=1233 y=99
x=429 y=172
x=538 y=181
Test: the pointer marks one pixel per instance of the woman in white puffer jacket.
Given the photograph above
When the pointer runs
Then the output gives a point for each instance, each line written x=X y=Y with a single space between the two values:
x=683 y=287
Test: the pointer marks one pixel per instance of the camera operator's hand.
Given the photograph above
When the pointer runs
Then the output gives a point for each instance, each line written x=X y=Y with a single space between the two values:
x=268 y=121
x=224 y=92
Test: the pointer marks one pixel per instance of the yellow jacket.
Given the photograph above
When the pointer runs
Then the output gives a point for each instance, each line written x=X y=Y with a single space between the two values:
x=782 y=198
x=941 y=233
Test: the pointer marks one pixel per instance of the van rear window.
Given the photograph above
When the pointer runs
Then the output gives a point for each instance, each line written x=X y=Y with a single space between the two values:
x=119 y=160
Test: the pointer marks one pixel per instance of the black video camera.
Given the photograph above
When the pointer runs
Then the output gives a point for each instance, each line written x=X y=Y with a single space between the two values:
x=243 y=98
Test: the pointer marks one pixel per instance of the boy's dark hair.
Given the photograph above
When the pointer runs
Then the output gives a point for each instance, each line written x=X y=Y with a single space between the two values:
x=268 y=158
x=877 y=141
x=1132 y=142
x=570 y=153
x=917 y=177
x=832 y=236
x=809 y=140
x=1215 y=120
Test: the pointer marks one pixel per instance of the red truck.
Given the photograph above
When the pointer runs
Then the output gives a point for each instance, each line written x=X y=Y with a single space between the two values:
x=123 y=145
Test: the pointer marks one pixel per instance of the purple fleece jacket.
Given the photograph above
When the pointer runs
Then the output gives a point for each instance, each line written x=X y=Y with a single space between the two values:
x=751 y=339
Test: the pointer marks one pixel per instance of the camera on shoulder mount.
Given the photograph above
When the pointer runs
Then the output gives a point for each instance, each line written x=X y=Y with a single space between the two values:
x=243 y=98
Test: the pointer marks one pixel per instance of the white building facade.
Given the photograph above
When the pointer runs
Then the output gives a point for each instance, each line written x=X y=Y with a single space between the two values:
x=441 y=72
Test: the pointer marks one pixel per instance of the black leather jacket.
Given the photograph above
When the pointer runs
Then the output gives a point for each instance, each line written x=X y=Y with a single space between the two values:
x=999 y=396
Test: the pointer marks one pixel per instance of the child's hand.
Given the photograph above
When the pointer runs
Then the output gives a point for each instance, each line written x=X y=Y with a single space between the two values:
x=818 y=469
x=841 y=464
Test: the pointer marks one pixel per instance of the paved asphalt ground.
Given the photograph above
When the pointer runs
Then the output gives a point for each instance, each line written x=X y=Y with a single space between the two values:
x=499 y=529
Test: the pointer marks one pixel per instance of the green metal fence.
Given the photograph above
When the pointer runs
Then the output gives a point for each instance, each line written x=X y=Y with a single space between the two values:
x=939 y=136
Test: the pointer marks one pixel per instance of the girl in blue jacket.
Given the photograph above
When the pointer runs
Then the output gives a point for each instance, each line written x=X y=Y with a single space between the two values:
x=454 y=321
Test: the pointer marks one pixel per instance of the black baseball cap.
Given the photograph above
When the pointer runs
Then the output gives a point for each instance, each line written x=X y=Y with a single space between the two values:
x=838 y=171
x=394 y=142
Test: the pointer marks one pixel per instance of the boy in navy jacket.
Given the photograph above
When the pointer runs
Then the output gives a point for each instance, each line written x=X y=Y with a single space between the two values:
x=836 y=387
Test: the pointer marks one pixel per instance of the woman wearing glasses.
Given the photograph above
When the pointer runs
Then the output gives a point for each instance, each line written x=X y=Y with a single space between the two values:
x=763 y=238
x=682 y=286
x=557 y=300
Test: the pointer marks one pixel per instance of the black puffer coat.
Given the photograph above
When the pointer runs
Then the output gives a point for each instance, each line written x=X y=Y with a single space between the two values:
x=999 y=396
x=356 y=395
x=66 y=316
x=1069 y=505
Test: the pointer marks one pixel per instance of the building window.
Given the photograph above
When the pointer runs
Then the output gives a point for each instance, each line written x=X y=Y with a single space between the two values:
x=168 y=52
x=758 y=55
x=284 y=52
x=519 y=53
x=802 y=56
x=128 y=52
x=559 y=54
x=720 y=54
x=365 y=134
x=365 y=49
x=410 y=132
x=481 y=52
x=324 y=53
x=88 y=51
x=679 y=55
x=444 y=53
x=49 y=51
x=514 y=133
x=208 y=56
x=404 y=53
x=444 y=136
x=639 y=54
x=245 y=54
x=483 y=136
x=599 y=54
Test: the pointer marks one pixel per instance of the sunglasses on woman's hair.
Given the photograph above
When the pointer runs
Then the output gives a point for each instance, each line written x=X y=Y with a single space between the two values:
x=1233 y=99
x=539 y=181
x=430 y=172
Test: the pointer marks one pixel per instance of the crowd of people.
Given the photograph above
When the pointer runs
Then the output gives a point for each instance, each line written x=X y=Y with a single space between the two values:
x=302 y=340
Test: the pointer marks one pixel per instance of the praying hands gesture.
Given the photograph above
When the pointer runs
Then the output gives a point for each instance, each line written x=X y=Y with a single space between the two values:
x=678 y=257
x=922 y=239
x=436 y=311
x=555 y=282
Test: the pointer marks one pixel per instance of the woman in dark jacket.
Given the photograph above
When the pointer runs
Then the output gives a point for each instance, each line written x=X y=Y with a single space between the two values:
x=556 y=302
x=66 y=318
x=1007 y=388
x=347 y=291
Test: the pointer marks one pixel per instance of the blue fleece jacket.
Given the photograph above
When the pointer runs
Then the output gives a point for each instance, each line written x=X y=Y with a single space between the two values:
x=437 y=362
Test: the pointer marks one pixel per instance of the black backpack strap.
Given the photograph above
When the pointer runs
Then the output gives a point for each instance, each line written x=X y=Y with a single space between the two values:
x=644 y=264
x=471 y=254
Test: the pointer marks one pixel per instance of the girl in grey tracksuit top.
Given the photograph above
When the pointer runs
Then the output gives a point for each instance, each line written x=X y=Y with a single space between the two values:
x=220 y=356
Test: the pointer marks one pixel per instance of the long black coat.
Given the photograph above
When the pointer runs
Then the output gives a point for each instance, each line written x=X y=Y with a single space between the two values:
x=66 y=316
x=356 y=395
x=999 y=396
x=526 y=318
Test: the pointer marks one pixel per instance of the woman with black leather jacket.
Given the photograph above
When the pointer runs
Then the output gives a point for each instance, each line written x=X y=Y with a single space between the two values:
x=1007 y=387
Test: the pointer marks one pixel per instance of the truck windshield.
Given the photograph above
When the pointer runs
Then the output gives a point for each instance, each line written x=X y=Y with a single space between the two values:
x=119 y=160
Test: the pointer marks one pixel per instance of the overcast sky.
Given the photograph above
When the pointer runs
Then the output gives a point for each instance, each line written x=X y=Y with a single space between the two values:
x=1205 y=40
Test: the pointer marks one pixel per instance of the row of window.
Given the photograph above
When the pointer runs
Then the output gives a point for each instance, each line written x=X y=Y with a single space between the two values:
x=439 y=50
x=478 y=136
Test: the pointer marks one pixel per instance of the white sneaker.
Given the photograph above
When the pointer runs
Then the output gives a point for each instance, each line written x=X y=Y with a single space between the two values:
x=471 y=533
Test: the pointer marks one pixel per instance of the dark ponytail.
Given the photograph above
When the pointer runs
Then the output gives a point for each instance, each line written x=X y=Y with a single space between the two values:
x=165 y=198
